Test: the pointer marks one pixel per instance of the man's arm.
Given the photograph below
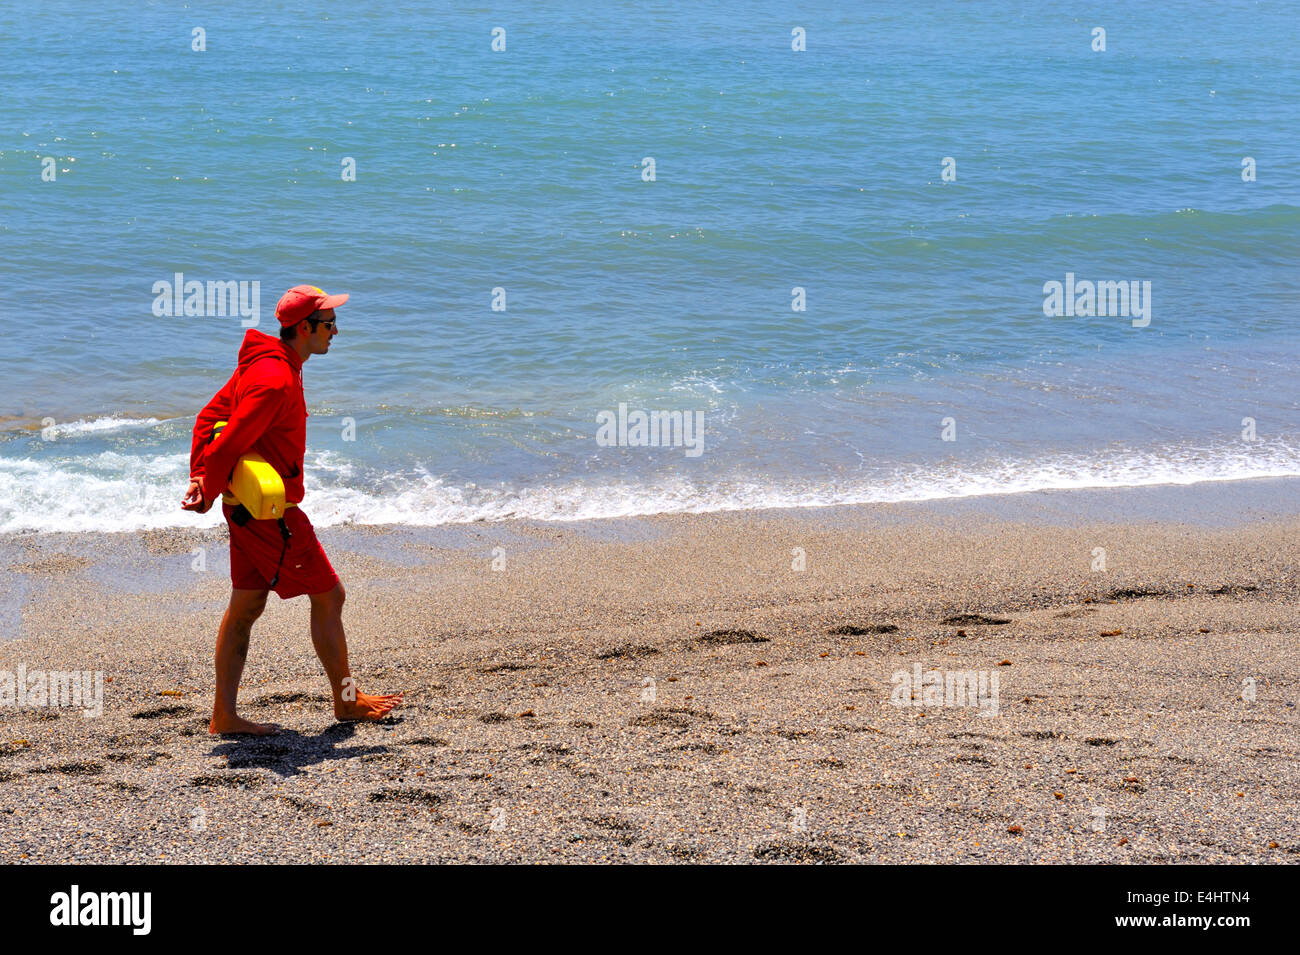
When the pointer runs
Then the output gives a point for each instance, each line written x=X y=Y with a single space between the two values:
x=258 y=406
x=215 y=410
x=218 y=409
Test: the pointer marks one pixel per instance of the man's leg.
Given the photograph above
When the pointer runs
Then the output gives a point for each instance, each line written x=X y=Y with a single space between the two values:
x=232 y=649
x=332 y=648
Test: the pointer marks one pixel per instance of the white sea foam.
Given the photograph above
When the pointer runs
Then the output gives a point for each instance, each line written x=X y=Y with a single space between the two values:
x=85 y=426
x=112 y=491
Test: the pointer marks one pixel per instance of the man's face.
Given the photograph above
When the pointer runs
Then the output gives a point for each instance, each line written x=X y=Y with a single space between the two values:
x=319 y=338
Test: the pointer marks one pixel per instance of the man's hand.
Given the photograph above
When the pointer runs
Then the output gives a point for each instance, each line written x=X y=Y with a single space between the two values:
x=194 y=498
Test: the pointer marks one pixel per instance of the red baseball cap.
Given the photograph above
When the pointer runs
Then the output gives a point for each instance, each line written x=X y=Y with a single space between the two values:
x=301 y=300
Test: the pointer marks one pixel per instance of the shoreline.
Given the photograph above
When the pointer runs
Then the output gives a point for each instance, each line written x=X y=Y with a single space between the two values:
x=49 y=494
x=769 y=732
x=1200 y=502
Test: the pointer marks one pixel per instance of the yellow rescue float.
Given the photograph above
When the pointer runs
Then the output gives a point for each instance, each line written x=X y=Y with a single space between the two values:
x=254 y=484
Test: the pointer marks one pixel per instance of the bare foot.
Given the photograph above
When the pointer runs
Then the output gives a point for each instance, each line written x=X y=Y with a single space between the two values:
x=366 y=707
x=237 y=724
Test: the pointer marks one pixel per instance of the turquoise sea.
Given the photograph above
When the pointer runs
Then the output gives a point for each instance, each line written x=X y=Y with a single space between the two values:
x=920 y=171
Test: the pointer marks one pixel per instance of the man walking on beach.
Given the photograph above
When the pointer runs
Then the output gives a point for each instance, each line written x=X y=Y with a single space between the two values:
x=266 y=413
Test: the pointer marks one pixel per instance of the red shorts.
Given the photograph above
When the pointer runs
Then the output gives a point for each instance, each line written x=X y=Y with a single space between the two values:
x=255 y=553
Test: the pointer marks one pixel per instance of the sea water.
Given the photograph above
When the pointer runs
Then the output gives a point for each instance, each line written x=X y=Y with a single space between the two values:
x=827 y=234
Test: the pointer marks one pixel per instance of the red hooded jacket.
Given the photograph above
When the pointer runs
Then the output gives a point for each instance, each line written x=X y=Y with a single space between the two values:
x=266 y=413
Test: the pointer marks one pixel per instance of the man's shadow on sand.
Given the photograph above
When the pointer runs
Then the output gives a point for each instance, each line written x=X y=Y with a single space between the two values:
x=288 y=751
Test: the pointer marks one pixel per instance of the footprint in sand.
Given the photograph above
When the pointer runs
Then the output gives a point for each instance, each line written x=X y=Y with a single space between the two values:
x=853 y=630
x=628 y=650
x=506 y=668
x=417 y=797
x=719 y=638
x=797 y=852
x=161 y=711
x=70 y=769
x=228 y=781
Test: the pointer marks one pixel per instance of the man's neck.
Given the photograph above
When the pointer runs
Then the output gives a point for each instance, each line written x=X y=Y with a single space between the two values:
x=300 y=345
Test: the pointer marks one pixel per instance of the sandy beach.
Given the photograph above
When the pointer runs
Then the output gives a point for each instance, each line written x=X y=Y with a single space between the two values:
x=676 y=689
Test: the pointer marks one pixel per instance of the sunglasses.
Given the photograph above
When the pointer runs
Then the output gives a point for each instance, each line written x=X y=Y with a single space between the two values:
x=331 y=323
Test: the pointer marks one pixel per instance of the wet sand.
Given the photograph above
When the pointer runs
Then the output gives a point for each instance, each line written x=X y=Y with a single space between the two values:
x=672 y=689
